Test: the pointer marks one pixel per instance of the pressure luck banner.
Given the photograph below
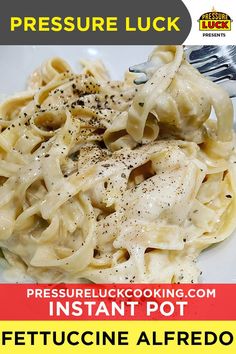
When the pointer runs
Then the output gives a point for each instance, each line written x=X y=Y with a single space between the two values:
x=103 y=22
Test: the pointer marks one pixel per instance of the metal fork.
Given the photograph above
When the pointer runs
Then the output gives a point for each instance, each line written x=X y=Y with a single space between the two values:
x=217 y=63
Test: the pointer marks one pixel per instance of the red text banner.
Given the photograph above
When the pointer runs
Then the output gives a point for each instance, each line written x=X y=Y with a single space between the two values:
x=117 y=302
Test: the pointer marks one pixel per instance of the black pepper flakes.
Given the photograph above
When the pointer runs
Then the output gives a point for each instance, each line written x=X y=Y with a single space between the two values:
x=80 y=102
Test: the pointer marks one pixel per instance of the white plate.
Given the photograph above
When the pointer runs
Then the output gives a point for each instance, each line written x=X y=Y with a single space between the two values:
x=17 y=62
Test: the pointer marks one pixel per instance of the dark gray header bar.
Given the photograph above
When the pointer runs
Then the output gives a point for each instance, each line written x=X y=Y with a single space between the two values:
x=94 y=22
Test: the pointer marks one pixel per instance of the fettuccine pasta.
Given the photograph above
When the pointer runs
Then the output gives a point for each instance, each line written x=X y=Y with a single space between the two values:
x=108 y=182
